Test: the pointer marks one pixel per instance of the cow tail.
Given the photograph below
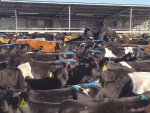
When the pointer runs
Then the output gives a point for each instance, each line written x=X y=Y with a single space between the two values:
x=19 y=46
x=29 y=48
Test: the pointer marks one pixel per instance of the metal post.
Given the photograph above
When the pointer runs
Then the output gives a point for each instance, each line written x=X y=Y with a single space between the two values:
x=16 y=18
x=149 y=20
x=69 y=17
x=60 y=16
x=130 y=20
x=60 y=21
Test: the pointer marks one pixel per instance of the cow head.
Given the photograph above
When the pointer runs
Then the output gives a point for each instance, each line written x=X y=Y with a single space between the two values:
x=11 y=100
x=94 y=69
x=62 y=76
x=130 y=57
x=11 y=78
x=80 y=48
x=3 y=65
x=93 y=54
x=91 y=72
x=37 y=50
x=40 y=49
x=88 y=33
x=24 y=47
x=58 y=45
x=103 y=63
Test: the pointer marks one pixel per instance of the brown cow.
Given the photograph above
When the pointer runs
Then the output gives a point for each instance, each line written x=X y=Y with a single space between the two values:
x=68 y=38
x=48 y=46
x=129 y=36
x=4 y=40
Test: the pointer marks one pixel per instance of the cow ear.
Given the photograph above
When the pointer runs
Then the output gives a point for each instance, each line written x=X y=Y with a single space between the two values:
x=12 y=92
x=23 y=96
x=22 y=99
x=98 y=79
x=103 y=83
x=103 y=63
x=3 y=65
x=41 y=47
x=25 y=89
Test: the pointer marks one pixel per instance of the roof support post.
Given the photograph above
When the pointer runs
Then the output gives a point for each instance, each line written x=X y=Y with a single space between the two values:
x=149 y=20
x=130 y=19
x=16 y=18
x=69 y=17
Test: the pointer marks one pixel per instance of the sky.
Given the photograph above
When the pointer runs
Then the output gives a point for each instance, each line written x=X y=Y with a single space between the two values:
x=139 y=2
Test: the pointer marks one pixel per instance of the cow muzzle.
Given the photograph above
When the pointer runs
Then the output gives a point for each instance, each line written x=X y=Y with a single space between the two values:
x=91 y=37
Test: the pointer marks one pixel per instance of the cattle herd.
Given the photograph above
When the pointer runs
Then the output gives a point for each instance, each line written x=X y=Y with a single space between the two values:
x=98 y=71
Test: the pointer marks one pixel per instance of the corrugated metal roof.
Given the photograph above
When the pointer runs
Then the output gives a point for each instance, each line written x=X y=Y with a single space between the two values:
x=95 y=11
x=74 y=3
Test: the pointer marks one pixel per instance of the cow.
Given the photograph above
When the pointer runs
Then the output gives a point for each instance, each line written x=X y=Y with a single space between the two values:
x=76 y=46
x=116 y=52
x=55 y=80
x=45 y=69
x=16 y=60
x=48 y=46
x=4 y=40
x=11 y=78
x=87 y=73
x=137 y=65
x=16 y=102
x=101 y=33
x=9 y=48
x=48 y=37
x=133 y=41
x=94 y=54
x=5 y=56
x=128 y=57
x=86 y=91
x=117 y=70
x=24 y=47
x=37 y=50
x=15 y=78
x=136 y=82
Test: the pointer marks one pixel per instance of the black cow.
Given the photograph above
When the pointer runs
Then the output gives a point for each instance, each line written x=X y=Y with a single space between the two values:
x=37 y=50
x=16 y=60
x=45 y=69
x=11 y=78
x=128 y=57
x=24 y=47
x=76 y=46
x=94 y=54
x=126 y=80
x=136 y=66
x=116 y=52
x=48 y=37
x=101 y=33
x=79 y=92
x=117 y=70
x=86 y=73
x=113 y=74
x=9 y=48
x=133 y=41
x=4 y=56
x=17 y=102
x=39 y=70
x=57 y=79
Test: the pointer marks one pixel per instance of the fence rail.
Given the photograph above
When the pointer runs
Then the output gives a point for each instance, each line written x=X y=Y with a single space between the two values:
x=72 y=31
